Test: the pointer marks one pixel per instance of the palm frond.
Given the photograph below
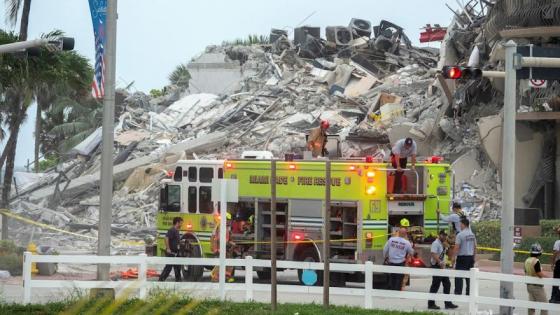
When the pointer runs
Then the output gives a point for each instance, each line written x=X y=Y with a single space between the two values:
x=12 y=11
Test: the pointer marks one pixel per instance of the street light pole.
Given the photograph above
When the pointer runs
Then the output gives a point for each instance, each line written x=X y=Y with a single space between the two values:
x=508 y=174
x=106 y=184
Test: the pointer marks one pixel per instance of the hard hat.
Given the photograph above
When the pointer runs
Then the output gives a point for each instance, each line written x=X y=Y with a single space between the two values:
x=325 y=124
x=405 y=222
x=536 y=249
x=228 y=216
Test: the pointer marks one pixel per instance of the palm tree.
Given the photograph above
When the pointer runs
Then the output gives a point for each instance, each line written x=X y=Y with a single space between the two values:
x=80 y=119
x=180 y=76
x=12 y=13
x=65 y=74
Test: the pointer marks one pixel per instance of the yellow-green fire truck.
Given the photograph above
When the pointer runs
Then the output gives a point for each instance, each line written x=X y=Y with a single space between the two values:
x=362 y=212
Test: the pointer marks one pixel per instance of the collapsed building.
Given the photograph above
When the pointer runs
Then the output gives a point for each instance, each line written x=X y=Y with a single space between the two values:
x=372 y=85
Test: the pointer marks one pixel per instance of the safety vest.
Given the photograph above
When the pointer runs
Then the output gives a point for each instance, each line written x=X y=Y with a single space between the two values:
x=215 y=240
x=530 y=266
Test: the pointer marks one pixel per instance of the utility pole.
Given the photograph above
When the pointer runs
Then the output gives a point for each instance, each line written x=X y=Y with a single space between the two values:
x=273 y=280
x=326 y=235
x=106 y=184
x=508 y=174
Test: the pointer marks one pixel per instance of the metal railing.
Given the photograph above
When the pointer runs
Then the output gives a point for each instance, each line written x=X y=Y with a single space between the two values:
x=142 y=285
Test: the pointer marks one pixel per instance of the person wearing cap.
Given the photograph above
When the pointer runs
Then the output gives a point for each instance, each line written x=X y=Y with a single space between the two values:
x=395 y=253
x=533 y=268
x=437 y=261
x=318 y=140
x=465 y=250
x=401 y=151
x=555 y=297
x=454 y=218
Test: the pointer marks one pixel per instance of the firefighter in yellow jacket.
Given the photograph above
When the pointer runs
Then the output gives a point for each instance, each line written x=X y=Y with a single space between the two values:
x=318 y=140
x=216 y=248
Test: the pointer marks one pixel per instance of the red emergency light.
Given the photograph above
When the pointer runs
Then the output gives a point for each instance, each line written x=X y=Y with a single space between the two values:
x=369 y=159
x=297 y=236
x=170 y=173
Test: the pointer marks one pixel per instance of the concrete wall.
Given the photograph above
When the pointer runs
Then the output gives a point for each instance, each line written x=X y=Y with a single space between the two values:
x=528 y=153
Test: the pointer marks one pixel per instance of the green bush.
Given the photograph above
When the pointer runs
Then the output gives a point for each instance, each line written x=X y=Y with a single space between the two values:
x=546 y=243
x=12 y=262
x=548 y=227
x=487 y=233
x=7 y=247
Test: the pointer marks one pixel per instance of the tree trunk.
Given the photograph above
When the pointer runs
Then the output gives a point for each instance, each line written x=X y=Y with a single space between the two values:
x=24 y=23
x=7 y=185
x=38 y=132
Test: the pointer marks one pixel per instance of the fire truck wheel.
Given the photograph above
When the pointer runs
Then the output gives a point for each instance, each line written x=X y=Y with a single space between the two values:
x=264 y=274
x=310 y=254
x=193 y=273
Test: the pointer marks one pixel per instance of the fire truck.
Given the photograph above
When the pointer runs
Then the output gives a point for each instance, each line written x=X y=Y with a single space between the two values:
x=364 y=211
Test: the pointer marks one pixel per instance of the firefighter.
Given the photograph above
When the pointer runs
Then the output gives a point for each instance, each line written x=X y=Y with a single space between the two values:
x=216 y=248
x=437 y=261
x=395 y=253
x=533 y=269
x=555 y=297
x=318 y=140
x=454 y=218
x=172 y=239
x=465 y=247
x=401 y=151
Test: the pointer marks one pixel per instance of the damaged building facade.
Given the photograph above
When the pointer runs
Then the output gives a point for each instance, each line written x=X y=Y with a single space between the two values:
x=366 y=79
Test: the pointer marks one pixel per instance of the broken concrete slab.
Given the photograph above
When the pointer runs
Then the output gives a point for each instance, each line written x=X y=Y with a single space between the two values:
x=448 y=126
x=200 y=144
x=87 y=182
x=465 y=167
x=490 y=130
x=130 y=136
x=358 y=87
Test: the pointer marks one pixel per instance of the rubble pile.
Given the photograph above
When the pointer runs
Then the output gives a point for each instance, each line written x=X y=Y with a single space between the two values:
x=373 y=91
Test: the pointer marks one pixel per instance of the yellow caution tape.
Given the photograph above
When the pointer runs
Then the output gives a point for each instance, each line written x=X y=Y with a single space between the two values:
x=515 y=250
x=140 y=243
x=53 y=228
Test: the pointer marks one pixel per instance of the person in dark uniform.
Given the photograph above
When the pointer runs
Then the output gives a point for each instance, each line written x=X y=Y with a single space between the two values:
x=437 y=261
x=172 y=239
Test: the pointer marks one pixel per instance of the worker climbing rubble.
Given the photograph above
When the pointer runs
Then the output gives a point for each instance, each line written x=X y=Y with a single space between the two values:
x=318 y=140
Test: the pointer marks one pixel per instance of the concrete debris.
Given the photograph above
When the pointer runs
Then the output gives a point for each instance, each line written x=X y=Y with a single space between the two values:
x=373 y=88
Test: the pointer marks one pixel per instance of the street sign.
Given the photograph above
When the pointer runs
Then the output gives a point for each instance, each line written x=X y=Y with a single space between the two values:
x=538 y=84
x=538 y=73
x=517 y=231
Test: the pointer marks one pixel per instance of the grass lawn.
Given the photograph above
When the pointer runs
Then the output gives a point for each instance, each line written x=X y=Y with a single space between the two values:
x=172 y=304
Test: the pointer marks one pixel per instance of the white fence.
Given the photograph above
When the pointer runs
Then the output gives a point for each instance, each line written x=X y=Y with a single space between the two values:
x=368 y=293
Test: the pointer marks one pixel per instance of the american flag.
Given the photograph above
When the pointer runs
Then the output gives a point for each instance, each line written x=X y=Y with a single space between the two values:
x=98 y=10
x=99 y=74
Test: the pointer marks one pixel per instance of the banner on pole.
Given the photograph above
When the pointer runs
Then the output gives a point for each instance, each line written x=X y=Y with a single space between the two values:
x=98 y=9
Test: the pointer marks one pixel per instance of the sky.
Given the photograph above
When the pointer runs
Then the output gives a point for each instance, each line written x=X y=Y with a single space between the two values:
x=153 y=37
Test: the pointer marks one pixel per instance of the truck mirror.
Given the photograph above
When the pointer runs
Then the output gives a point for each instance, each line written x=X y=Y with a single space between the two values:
x=163 y=199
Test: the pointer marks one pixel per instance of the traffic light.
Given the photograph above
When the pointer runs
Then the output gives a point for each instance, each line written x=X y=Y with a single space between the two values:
x=458 y=72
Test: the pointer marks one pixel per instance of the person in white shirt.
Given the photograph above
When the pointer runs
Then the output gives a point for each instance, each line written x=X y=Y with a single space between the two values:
x=395 y=252
x=454 y=218
x=465 y=246
x=555 y=297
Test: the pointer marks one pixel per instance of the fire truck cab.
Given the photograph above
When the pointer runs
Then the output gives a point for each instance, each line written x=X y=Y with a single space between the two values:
x=363 y=209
